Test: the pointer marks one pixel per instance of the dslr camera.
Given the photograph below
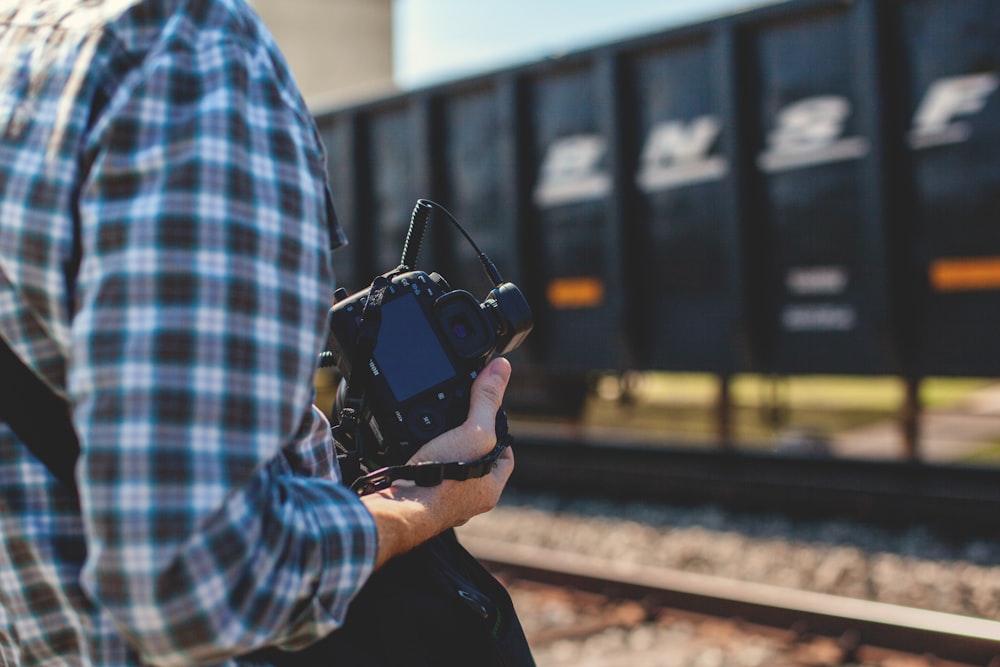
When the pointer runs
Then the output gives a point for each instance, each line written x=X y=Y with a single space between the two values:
x=415 y=345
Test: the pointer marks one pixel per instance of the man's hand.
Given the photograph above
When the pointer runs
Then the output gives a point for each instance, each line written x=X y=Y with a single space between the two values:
x=477 y=436
x=409 y=515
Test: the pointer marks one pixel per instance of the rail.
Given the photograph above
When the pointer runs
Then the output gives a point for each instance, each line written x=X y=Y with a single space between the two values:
x=951 y=637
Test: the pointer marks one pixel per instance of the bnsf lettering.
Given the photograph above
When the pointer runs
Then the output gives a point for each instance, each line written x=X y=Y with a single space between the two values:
x=679 y=153
x=807 y=132
x=810 y=132
x=935 y=121
x=572 y=171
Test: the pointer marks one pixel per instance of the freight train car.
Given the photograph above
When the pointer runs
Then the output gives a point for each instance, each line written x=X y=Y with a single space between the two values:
x=808 y=187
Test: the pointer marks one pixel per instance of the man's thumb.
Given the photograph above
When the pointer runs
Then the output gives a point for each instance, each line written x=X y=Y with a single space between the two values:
x=488 y=390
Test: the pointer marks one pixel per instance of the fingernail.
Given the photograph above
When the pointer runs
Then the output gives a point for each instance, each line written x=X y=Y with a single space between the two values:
x=499 y=367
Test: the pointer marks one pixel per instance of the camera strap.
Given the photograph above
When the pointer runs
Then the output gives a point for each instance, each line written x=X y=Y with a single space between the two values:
x=431 y=473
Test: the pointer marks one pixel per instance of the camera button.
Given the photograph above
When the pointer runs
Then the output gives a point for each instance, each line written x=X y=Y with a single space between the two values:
x=424 y=421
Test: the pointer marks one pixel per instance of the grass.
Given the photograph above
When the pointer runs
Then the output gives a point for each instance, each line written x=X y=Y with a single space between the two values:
x=988 y=455
x=765 y=410
x=866 y=393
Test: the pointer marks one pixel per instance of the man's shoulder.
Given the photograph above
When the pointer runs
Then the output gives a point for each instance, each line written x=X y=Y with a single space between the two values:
x=142 y=25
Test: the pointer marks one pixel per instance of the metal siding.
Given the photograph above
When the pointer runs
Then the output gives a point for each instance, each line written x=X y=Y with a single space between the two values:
x=821 y=316
x=338 y=139
x=570 y=209
x=686 y=287
x=475 y=189
x=398 y=174
x=953 y=58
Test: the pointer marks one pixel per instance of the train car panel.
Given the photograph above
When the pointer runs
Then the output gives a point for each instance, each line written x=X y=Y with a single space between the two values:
x=399 y=176
x=478 y=186
x=685 y=245
x=953 y=142
x=821 y=298
x=339 y=137
x=577 y=261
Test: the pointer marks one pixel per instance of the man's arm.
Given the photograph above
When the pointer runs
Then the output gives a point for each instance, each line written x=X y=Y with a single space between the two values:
x=202 y=298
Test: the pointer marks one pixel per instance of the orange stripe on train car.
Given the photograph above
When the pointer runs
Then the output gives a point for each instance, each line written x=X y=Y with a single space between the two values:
x=965 y=274
x=575 y=292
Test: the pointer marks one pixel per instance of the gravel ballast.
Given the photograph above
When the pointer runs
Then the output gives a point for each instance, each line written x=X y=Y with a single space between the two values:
x=909 y=566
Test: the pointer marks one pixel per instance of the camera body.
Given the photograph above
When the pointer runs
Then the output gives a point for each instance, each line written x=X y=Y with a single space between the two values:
x=432 y=342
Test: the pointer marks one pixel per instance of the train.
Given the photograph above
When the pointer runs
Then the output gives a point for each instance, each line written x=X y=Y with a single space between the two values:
x=808 y=187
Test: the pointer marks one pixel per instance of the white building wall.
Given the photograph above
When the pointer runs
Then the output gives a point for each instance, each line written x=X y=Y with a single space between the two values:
x=340 y=51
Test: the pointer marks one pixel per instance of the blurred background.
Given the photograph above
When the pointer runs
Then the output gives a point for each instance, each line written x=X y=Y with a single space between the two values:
x=758 y=345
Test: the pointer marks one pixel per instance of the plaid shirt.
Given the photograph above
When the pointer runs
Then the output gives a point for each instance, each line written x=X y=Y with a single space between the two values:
x=164 y=144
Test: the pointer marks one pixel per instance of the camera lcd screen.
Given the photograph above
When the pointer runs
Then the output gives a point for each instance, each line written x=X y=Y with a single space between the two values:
x=408 y=352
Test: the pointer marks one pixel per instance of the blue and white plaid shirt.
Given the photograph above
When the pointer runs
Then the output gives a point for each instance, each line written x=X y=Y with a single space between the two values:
x=164 y=143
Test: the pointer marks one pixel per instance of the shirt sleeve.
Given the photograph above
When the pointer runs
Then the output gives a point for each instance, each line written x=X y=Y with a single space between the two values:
x=214 y=517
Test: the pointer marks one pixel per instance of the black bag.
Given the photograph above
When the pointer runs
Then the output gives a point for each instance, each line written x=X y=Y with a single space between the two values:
x=435 y=606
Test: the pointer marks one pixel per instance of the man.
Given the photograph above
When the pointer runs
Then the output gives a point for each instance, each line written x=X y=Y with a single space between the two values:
x=164 y=263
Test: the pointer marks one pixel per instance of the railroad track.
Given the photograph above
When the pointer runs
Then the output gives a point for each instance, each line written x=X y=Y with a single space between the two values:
x=617 y=464
x=855 y=625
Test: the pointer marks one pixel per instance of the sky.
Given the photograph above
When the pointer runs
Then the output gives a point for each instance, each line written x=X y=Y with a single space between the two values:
x=441 y=40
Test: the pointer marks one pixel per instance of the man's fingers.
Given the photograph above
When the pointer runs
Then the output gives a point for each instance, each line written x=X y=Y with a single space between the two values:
x=505 y=464
x=487 y=392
